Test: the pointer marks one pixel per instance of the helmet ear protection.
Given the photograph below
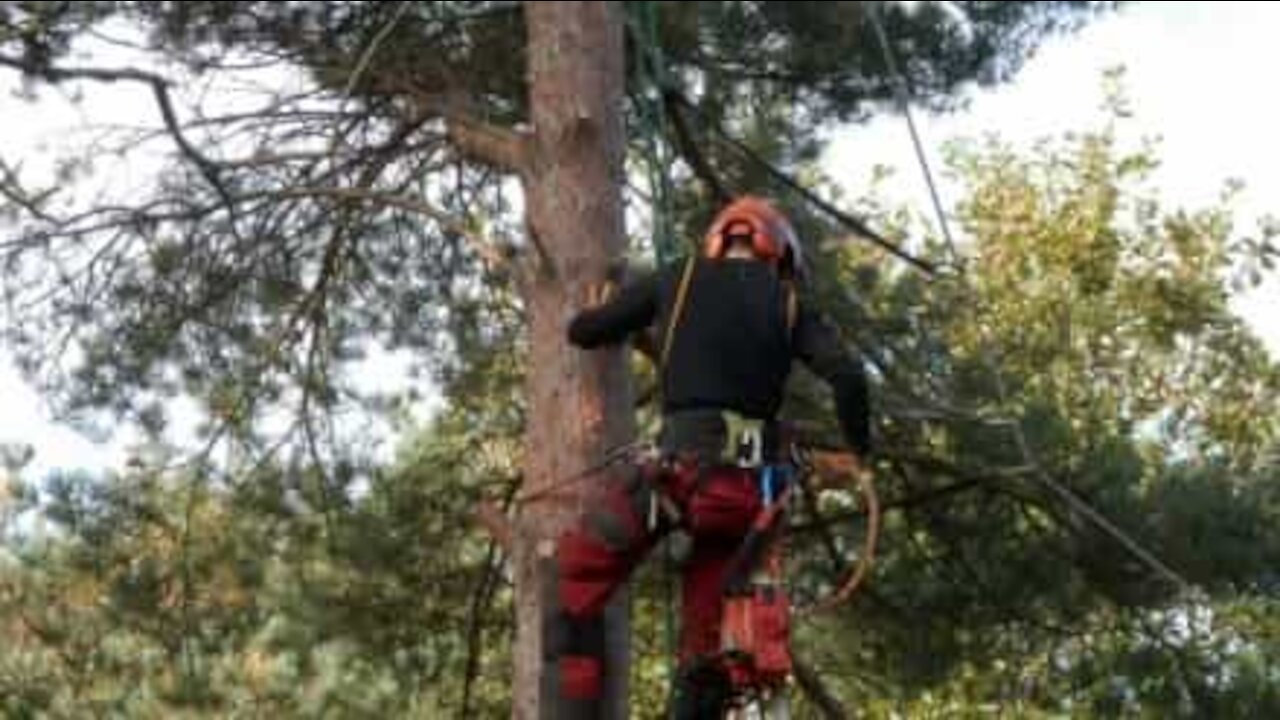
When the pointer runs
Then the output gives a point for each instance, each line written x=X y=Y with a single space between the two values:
x=744 y=231
x=757 y=224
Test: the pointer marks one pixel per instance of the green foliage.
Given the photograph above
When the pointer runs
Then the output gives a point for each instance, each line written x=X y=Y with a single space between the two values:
x=234 y=279
x=162 y=594
x=1107 y=305
x=1107 y=318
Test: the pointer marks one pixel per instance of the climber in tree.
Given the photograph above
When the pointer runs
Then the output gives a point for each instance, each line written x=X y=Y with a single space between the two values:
x=731 y=322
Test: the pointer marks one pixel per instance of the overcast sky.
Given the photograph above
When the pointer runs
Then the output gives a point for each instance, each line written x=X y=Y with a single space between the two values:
x=1199 y=77
x=1199 y=74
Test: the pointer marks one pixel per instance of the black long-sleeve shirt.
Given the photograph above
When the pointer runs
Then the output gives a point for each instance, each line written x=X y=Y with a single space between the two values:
x=731 y=348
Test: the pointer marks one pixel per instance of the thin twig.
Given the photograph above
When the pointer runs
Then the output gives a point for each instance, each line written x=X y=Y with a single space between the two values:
x=484 y=247
x=481 y=600
x=159 y=89
x=811 y=684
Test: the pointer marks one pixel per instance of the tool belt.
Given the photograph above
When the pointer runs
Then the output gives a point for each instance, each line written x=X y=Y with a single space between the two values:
x=723 y=437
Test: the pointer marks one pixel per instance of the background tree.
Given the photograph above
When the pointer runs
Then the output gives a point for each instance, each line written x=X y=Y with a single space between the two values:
x=1136 y=389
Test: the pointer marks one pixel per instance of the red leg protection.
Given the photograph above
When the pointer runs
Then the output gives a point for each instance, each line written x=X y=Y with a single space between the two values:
x=592 y=560
x=581 y=678
x=720 y=514
x=700 y=600
x=598 y=555
x=724 y=505
x=589 y=573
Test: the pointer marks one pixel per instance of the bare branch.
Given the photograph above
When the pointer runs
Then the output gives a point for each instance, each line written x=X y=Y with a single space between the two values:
x=159 y=89
x=483 y=246
x=692 y=153
x=505 y=149
x=822 y=524
x=481 y=601
x=372 y=49
x=58 y=74
x=12 y=190
x=315 y=363
x=270 y=159
x=495 y=522
x=811 y=685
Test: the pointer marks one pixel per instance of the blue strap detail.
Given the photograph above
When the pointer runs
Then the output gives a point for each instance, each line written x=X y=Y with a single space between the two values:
x=766 y=484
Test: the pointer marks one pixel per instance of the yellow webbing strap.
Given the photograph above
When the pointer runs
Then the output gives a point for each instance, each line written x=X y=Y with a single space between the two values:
x=681 y=295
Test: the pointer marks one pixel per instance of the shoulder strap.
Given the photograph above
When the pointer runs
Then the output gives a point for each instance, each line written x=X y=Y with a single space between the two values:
x=682 y=294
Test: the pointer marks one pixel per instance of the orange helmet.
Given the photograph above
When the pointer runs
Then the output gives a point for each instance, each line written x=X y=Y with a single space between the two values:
x=756 y=222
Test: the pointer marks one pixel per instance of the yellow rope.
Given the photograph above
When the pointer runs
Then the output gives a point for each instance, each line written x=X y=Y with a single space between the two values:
x=676 y=311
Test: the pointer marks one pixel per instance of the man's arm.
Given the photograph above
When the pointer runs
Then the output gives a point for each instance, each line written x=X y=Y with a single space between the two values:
x=818 y=346
x=630 y=310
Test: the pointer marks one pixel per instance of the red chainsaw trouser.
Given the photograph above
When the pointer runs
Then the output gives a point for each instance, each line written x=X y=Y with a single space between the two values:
x=716 y=506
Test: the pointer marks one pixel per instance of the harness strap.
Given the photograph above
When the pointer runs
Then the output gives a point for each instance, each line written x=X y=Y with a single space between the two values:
x=682 y=295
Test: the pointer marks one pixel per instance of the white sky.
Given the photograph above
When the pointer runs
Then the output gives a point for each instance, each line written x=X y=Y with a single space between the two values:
x=1197 y=75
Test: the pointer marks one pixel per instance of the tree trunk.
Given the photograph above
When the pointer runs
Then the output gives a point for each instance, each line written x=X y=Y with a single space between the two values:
x=578 y=403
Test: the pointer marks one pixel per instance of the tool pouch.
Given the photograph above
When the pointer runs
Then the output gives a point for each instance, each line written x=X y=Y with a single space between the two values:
x=755 y=636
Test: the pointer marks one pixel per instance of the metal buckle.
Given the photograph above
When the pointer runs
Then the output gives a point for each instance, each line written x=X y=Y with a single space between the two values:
x=750 y=447
x=744 y=438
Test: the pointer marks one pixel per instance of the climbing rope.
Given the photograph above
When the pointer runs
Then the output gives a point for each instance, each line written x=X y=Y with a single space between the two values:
x=630 y=452
x=902 y=97
x=866 y=557
x=649 y=68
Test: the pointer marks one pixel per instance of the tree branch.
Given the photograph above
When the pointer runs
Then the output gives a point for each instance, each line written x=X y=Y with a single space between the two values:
x=482 y=142
x=495 y=522
x=159 y=89
x=55 y=74
x=691 y=152
x=811 y=685
x=480 y=602
x=11 y=188
x=486 y=248
x=965 y=481
x=475 y=623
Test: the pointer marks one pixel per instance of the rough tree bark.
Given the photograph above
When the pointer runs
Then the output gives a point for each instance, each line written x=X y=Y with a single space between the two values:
x=578 y=403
